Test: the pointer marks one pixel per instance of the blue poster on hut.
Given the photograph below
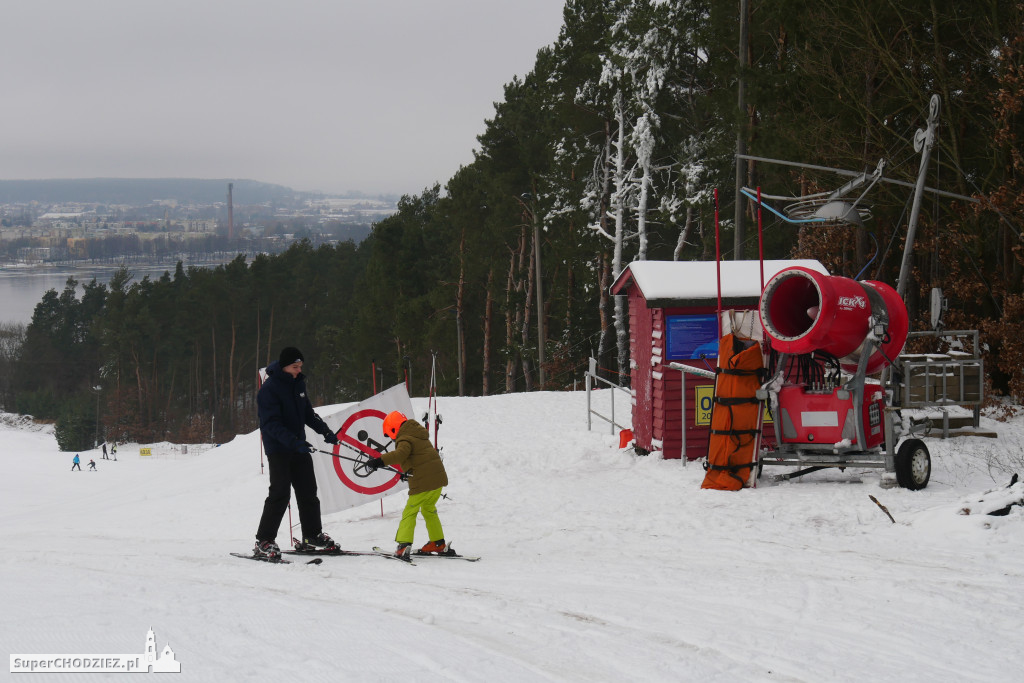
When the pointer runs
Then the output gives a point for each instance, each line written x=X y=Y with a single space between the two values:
x=691 y=337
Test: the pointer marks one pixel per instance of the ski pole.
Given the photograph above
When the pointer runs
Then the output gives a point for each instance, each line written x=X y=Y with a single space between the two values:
x=362 y=463
x=433 y=398
x=359 y=461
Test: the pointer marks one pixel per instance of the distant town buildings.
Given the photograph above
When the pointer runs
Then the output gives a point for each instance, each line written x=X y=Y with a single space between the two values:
x=34 y=233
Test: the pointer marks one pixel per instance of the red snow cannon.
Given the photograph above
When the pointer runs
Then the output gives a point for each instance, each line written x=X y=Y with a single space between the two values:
x=803 y=310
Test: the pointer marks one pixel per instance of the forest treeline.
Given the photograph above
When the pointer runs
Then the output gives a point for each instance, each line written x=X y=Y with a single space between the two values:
x=607 y=151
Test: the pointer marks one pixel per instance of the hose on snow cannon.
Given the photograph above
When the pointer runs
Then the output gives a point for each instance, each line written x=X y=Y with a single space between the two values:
x=803 y=311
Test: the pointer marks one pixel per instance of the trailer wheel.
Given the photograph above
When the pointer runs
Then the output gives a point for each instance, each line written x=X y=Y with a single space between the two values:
x=913 y=465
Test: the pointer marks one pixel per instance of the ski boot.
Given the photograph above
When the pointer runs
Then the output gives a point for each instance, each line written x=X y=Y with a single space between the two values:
x=268 y=550
x=438 y=547
x=403 y=550
x=320 y=541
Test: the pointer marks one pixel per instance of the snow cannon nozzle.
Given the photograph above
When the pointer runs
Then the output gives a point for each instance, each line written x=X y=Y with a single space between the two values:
x=803 y=311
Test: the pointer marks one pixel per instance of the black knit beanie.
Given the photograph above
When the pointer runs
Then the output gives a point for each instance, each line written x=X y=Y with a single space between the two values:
x=289 y=355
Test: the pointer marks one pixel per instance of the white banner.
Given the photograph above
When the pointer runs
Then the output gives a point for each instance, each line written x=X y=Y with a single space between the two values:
x=338 y=486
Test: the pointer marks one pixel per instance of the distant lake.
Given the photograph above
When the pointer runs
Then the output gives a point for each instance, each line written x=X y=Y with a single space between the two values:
x=22 y=288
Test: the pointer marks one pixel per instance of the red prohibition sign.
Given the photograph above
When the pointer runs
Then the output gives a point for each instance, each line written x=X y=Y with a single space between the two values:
x=345 y=438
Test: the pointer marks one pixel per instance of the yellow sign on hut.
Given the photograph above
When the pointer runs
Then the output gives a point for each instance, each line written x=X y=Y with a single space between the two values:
x=703 y=394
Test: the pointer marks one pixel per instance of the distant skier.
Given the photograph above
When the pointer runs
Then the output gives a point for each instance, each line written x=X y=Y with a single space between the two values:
x=421 y=461
x=284 y=411
x=113 y=450
x=105 y=451
x=92 y=465
x=77 y=463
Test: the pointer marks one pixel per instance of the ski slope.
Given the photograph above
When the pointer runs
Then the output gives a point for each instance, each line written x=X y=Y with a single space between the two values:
x=598 y=565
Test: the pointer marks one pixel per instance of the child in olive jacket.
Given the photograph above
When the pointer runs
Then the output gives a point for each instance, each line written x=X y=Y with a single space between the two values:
x=414 y=454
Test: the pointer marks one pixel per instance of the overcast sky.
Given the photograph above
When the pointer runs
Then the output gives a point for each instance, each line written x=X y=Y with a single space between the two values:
x=379 y=96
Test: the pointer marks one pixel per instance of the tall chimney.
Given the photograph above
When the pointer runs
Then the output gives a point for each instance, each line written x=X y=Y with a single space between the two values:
x=231 y=213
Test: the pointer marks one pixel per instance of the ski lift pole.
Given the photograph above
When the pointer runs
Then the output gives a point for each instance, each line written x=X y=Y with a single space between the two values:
x=924 y=140
x=718 y=265
x=760 y=236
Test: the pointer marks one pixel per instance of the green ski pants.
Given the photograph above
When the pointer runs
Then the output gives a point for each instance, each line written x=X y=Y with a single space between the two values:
x=425 y=504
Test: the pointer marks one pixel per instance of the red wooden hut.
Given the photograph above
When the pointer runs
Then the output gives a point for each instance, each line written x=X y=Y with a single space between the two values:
x=673 y=318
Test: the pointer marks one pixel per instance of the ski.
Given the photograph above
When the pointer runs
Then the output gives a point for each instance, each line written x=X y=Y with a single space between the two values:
x=334 y=552
x=392 y=556
x=450 y=555
x=262 y=558
x=308 y=550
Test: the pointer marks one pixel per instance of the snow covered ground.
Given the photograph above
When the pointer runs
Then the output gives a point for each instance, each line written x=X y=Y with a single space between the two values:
x=598 y=565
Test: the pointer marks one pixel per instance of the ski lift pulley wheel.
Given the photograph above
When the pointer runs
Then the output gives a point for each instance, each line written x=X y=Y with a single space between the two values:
x=913 y=465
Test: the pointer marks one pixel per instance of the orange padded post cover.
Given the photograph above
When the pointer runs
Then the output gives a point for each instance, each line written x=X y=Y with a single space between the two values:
x=735 y=415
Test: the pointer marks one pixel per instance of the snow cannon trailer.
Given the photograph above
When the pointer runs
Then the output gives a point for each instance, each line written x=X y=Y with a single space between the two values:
x=827 y=335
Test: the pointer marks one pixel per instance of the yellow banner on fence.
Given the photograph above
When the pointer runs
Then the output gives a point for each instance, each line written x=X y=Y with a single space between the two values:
x=145 y=451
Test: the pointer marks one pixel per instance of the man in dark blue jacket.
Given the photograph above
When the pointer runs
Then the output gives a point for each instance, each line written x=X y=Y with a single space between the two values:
x=284 y=412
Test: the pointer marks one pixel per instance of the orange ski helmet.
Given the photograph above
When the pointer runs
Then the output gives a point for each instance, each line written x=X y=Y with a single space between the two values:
x=392 y=423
